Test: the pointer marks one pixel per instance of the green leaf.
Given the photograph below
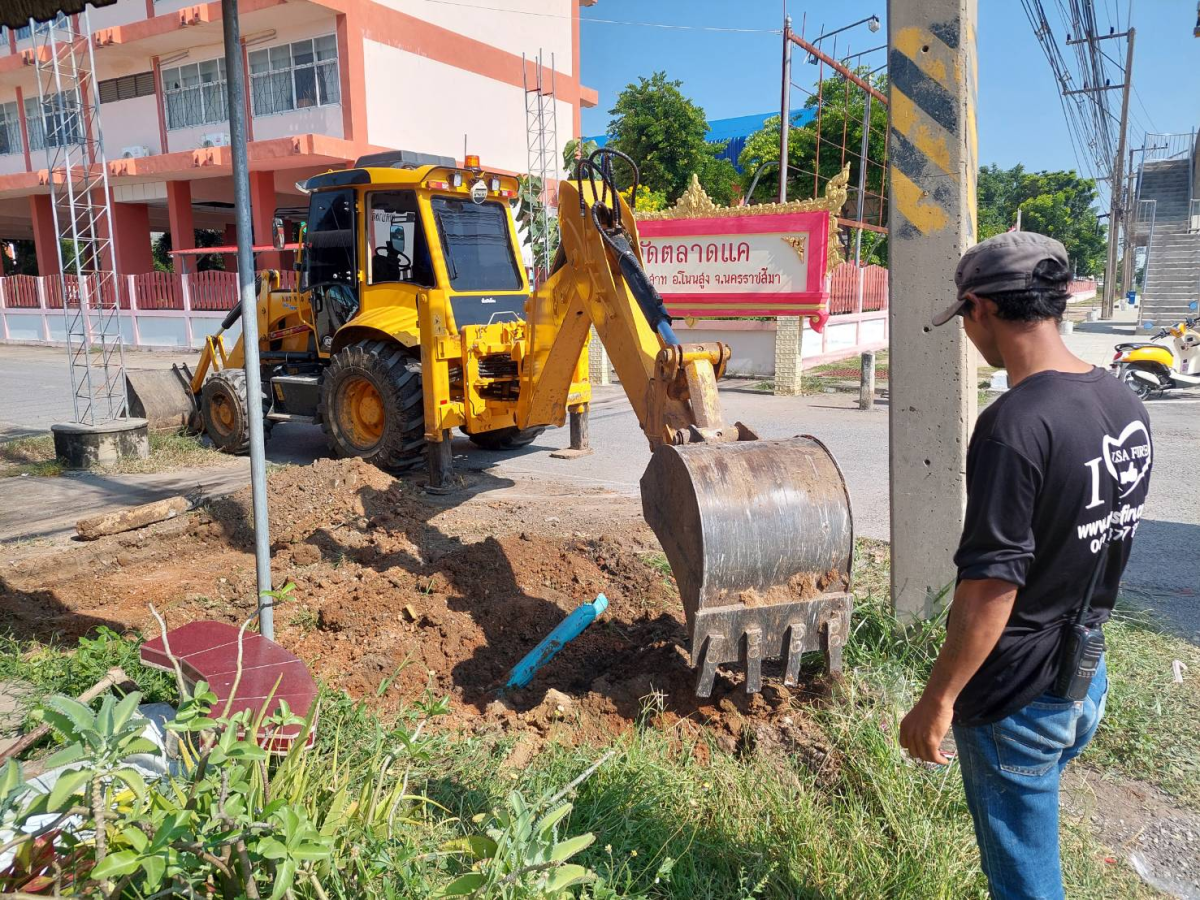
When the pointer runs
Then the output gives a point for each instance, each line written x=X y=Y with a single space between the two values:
x=136 y=837
x=464 y=884
x=104 y=718
x=154 y=867
x=115 y=865
x=80 y=716
x=272 y=848
x=134 y=780
x=65 y=756
x=564 y=877
x=10 y=778
x=125 y=709
x=552 y=818
x=285 y=874
x=67 y=786
x=140 y=745
x=564 y=850
x=477 y=845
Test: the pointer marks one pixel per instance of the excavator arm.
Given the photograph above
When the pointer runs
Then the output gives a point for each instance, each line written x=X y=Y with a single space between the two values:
x=671 y=386
x=759 y=534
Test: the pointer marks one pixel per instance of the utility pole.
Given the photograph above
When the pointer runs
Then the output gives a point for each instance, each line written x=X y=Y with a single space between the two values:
x=785 y=112
x=1129 y=246
x=1117 y=183
x=931 y=221
x=236 y=98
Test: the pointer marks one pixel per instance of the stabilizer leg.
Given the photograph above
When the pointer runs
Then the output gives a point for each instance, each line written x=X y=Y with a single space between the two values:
x=441 y=464
x=580 y=444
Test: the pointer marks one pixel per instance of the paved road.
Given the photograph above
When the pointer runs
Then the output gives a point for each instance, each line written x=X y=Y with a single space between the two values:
x=1161 y=573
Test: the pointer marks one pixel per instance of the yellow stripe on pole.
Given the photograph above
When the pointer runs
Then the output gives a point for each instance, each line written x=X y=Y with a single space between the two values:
x=912 y=202
x=931 y=55
x=925 y=135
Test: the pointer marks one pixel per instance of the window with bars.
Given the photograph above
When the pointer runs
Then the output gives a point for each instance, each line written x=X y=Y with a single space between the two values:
x=10 y=128
x=56 y=122
x=195 y=94
x=295 y=76
x=126 y=87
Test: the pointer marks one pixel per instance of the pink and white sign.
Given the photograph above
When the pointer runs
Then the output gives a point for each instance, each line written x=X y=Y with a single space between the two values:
x=768 y=265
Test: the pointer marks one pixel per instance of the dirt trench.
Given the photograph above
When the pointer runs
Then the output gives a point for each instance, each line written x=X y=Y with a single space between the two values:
x=395 y=592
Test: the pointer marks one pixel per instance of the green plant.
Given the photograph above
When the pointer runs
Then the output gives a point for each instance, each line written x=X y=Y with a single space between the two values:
x=520 y=856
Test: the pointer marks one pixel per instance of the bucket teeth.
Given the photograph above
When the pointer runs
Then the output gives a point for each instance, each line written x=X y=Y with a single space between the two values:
x=709 y=659
x=754 y=654
x=795 y=649
x=832 y=641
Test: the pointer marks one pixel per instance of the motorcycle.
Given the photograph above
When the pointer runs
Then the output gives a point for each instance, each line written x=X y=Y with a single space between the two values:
x=1150 y=369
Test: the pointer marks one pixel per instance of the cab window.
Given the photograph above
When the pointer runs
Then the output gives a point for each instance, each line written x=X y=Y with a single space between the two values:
x=396 y=246
x=476 y=244
x=329 y=239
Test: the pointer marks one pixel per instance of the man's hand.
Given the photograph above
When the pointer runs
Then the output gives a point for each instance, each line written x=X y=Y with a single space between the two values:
x=924 y=729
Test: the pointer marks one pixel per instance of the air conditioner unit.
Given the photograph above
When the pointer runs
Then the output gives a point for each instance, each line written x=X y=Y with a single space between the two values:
x=216 y=139
x=134 y=152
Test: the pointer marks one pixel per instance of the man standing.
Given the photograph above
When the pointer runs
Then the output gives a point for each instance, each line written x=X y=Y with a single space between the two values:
x=1057 y=474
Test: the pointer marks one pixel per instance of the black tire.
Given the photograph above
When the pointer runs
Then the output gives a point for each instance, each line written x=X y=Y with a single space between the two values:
x=511 y=438
x=225 y=412
x=372 y=405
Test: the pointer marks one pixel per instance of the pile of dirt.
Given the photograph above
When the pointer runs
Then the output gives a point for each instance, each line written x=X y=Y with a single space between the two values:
x=395 y=592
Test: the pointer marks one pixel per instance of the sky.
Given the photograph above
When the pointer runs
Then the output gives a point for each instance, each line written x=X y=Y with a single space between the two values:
x=1020 y=119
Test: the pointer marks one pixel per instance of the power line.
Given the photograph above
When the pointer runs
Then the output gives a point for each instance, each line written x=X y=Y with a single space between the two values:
x=546 y=15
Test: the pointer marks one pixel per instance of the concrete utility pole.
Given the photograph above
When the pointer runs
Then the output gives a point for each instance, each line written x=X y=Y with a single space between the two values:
x=1128 y=247
x=785 y=112
x=932 y=165
x=1116 y=185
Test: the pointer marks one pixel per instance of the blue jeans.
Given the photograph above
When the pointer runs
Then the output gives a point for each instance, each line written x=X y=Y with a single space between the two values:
x=1010 y=771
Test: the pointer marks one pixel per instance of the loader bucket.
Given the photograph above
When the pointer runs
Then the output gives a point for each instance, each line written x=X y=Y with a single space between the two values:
x=760 y=538
x=163 y=397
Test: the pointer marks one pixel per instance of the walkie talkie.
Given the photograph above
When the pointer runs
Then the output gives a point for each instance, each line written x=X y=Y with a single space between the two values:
x=1082 y=646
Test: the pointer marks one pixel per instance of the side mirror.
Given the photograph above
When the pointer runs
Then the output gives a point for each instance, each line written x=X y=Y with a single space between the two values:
x=278 y=233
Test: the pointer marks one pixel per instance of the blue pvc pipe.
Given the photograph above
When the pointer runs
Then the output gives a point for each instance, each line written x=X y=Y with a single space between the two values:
x=565 y=632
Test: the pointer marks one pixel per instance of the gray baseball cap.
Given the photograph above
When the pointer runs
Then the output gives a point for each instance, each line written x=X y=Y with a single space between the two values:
x=1013 y=261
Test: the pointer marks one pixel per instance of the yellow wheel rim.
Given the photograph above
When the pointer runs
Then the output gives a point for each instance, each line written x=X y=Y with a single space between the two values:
x=223 y=414
x=361 y=413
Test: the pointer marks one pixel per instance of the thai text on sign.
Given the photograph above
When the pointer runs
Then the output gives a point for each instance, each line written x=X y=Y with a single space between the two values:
x=773 y=264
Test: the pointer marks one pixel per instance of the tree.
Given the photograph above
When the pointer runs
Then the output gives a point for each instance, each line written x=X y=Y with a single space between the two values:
x=663 y=131
x=1058 y=204
x=841 y=119
x=576 y=148
x=205 y=237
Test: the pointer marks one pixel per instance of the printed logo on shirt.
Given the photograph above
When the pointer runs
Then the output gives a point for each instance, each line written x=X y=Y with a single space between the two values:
x=1126 y=459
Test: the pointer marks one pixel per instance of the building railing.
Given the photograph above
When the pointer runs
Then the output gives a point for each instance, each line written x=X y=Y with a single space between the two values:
x=31 y=306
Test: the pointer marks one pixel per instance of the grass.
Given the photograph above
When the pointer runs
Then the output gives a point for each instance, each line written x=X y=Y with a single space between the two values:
x=29 y=456
x=35 y=456
x=674 y=815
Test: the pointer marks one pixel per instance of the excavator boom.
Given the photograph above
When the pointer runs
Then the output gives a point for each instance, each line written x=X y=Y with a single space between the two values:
x=759 y=534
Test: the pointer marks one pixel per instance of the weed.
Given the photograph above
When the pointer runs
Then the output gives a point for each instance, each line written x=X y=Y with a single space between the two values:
x=305 y=619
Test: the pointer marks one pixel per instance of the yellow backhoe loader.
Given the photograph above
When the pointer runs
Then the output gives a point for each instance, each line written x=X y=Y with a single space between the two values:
x=414 y=317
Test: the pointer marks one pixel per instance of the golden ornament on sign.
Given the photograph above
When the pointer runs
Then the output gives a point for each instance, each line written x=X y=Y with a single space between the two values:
x=798 y=242
x=695 y=203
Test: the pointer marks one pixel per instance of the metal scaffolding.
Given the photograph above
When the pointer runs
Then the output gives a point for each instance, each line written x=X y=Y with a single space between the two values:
x=67 y=124
x=541 y=125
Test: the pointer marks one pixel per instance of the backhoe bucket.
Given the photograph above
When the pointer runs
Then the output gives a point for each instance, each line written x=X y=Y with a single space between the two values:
x=163 y=397
x=760 y=537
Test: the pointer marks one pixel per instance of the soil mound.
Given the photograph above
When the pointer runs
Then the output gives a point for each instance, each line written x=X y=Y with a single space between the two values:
x=395 y=592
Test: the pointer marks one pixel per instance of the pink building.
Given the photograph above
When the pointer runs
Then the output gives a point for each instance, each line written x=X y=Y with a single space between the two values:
x=327 y=81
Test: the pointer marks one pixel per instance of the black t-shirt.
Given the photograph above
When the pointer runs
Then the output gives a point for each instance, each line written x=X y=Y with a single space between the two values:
x=1056 y=464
